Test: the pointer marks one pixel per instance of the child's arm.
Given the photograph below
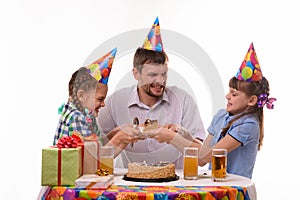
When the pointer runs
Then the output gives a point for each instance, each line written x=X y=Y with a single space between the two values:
x=205 y=150
x=228 y=142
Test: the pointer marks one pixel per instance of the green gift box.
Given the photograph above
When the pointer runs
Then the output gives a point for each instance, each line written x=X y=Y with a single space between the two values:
x=61 y=166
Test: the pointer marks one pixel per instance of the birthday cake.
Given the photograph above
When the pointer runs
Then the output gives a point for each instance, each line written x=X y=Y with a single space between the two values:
x=160 y=170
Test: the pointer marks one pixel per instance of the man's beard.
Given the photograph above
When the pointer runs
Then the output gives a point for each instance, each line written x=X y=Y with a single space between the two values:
x=154 y=85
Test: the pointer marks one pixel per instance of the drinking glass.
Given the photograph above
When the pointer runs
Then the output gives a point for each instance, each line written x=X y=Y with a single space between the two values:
x=190 y=163
x=218 y=165
x=107 y=159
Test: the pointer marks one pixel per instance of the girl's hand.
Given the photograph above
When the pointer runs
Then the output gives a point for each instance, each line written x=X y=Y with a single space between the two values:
x=122 y=139
x=113 y=132
x=162 y=134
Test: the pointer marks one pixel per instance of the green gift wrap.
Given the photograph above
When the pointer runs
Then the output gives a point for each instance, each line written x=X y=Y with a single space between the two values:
x=61 y=166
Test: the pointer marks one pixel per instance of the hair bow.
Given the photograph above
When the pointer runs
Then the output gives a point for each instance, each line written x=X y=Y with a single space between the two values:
x=68 y=142
x=60 y=109
x=264 y=100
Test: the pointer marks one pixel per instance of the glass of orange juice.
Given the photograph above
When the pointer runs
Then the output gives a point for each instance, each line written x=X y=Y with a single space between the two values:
x=218 y=165
x=107 y=159
x=190 y=163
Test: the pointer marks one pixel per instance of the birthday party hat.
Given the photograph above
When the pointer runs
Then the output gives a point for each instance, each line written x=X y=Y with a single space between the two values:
x=250 y=70
x=153 y=39
x=101 y=68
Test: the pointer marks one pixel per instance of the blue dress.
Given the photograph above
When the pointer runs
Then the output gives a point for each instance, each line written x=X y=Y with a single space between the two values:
x=246 y=130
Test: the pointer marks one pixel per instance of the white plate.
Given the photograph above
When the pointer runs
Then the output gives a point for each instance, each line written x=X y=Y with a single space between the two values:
x=120 y=171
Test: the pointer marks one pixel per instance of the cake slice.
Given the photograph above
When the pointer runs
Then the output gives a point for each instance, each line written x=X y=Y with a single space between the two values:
x=150 y=125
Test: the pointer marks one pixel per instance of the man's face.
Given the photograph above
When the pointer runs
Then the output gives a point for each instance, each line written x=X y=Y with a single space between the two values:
x=152 y=79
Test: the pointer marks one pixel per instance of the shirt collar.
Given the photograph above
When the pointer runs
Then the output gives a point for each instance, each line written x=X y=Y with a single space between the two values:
x=135 y=100
x=229 y=117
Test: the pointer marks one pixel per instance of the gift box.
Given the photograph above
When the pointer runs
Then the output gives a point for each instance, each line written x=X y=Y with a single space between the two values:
x=94 y=181
x=91 y=160
x=61 y=166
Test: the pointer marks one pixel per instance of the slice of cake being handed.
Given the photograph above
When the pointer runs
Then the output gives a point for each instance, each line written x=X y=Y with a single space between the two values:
x=160 y=170
x=150 y=125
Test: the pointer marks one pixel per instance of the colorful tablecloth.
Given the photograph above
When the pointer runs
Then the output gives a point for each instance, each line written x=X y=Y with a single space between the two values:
x=116 y=192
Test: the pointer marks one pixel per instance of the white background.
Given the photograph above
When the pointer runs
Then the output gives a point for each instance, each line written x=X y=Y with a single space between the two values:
x=43 y=41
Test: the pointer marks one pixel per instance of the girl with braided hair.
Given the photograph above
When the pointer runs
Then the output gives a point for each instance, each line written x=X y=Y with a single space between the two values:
x=239 y=128
x=86 y=97
x=87 y=92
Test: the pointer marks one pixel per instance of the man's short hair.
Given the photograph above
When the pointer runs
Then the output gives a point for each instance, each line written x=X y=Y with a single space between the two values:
x=144 y=56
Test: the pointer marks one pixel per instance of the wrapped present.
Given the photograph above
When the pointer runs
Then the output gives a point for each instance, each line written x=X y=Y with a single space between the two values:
x=90 y=153
x=61 y=164
x=90 y=150
x=94 y=181
x=91 y=160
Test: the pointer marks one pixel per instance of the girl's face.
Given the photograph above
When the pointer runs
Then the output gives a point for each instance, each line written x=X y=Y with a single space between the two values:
x=100 y=96
x=238 y=101
x=94 y=98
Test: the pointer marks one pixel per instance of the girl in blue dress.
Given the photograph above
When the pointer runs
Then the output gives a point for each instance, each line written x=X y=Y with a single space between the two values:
x=239 y=127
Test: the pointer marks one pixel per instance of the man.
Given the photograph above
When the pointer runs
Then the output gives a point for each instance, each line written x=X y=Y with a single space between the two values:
x=175 y=110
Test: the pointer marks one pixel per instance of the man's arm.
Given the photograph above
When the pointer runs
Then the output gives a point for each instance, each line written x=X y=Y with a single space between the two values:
x=191 y=119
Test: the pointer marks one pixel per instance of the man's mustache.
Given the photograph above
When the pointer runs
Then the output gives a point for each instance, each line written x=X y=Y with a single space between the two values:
x=157 y=85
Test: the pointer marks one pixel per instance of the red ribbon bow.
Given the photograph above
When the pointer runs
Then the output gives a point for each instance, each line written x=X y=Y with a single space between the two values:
x=68 y=141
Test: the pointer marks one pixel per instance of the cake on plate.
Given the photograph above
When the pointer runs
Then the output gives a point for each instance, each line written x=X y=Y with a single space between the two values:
x=160 y=170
